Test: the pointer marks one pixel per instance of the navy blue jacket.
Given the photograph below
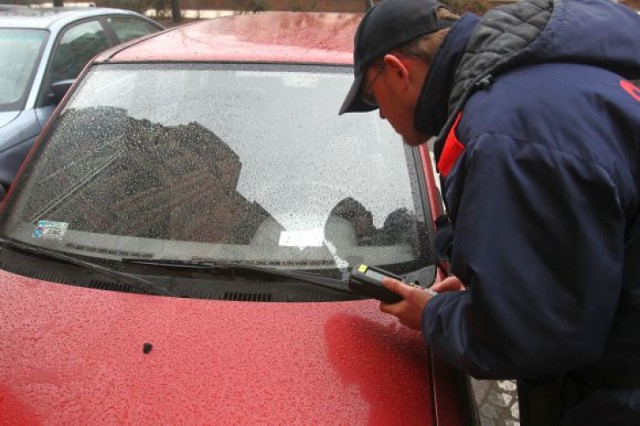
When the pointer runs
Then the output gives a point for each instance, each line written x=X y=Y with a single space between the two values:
x=541 y=178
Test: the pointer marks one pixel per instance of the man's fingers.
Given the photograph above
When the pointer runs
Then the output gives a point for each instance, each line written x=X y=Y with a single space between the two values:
x=409 y=310
x=396 y=286
x=388 y=308
x=448 y=284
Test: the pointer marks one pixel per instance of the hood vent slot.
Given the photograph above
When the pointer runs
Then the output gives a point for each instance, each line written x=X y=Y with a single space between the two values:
x=36 y=273
x=112 y=286
x=247 y=297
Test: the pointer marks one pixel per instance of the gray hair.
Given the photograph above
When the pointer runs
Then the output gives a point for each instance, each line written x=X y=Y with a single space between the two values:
x=426 y=46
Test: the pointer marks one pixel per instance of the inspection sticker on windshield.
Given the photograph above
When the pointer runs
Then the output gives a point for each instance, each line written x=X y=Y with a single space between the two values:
x=301 y=238
x=47 y=229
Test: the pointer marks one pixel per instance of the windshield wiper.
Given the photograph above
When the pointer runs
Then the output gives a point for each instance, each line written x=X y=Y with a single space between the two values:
x=223 y=267
x=131 y=281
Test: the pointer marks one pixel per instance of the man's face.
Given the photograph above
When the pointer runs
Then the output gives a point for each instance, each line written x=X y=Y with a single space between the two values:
x=386 y=87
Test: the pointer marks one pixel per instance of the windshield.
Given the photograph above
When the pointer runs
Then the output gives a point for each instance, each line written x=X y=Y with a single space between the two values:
x=240 y=164
x=20 y=50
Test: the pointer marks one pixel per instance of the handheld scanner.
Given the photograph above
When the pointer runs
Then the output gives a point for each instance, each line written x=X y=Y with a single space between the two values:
x=367 y=281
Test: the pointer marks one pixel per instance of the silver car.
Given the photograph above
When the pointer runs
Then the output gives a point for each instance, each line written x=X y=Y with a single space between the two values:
x=42 y=50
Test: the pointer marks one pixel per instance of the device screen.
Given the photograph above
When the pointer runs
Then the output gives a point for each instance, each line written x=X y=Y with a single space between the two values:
x=375 y=275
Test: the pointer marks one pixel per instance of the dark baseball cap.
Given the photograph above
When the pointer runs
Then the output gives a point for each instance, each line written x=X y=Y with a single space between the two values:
x=386 y=26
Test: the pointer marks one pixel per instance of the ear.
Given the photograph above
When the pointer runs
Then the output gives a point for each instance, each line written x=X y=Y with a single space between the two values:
x=397 y=69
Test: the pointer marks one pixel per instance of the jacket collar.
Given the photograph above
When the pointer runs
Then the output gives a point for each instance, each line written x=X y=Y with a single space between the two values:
x=432 y=108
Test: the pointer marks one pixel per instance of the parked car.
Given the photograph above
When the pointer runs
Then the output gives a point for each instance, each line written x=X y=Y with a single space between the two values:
x=177 y=246
x=41 y=51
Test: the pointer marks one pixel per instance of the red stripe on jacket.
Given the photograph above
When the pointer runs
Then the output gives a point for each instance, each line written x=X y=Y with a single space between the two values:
x=452 y=149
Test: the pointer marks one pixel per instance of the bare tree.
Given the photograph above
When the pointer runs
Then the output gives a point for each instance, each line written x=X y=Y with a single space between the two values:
x=176 y=17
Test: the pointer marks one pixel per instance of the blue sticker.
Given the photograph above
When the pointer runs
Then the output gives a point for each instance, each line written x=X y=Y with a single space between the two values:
x=47 y=229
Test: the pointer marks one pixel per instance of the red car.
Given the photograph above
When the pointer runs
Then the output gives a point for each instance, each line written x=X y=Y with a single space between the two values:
x=177 y=246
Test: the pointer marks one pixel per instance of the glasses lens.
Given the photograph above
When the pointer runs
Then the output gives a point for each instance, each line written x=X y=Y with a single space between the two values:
x=367 y=96
x=369 y=99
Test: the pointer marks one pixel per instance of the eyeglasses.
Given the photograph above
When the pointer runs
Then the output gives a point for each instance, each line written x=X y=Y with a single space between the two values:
x=368 y=97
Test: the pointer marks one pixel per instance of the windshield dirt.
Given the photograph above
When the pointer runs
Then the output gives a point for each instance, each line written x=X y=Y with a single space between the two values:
x=249 y=165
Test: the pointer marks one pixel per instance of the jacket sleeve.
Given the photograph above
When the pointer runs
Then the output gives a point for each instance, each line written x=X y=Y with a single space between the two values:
x=539 y=242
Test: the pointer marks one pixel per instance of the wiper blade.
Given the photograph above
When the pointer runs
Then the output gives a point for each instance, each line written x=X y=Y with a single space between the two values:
x=221 y=267
x=131 y=281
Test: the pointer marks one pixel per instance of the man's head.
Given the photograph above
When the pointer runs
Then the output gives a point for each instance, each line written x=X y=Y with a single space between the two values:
x=393 y=46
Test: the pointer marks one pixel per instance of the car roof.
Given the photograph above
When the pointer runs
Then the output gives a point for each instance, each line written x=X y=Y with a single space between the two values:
x=51 y=17
x=265 y=37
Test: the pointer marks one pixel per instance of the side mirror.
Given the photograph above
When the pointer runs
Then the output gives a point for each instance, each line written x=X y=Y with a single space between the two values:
x=59 y=89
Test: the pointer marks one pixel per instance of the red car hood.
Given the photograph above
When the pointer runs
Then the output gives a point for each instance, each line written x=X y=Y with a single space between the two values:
x=76 y=355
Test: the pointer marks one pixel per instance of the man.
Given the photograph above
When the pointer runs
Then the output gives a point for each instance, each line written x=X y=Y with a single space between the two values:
x=536 y=109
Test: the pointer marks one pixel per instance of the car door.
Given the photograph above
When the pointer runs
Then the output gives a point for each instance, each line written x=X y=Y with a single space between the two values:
x=77 y=45
x=74 y=46
x=127 y=28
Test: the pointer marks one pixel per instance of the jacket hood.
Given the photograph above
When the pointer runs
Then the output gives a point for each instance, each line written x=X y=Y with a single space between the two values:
x=597 y=32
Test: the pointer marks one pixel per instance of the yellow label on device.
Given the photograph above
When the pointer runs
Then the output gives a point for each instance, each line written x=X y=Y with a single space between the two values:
x=363 y=268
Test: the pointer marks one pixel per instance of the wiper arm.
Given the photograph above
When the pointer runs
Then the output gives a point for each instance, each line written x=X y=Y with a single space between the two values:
x=131 y=281
x=221 y=267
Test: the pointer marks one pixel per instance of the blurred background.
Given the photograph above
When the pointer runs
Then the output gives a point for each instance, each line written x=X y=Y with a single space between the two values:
x=172 y=12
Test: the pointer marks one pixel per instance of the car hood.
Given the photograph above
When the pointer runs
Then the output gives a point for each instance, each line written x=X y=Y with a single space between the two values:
x=73 y=354
x=7 y=117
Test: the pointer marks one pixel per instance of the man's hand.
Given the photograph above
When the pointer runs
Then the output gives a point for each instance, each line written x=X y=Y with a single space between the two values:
x=409 y=310
x=448 y=284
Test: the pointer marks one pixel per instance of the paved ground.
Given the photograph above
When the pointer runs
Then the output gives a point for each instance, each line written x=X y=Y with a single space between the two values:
x=497 y=402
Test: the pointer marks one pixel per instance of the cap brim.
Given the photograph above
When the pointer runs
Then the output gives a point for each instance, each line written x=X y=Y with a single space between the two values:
x=353 y=102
